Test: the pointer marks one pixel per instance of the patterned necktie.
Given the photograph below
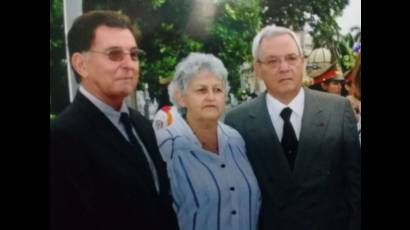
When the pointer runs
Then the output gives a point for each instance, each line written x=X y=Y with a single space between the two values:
x=289 y=140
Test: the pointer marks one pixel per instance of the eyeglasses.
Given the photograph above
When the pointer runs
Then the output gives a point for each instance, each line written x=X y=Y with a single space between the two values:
x=118 y=55
x=274 y=62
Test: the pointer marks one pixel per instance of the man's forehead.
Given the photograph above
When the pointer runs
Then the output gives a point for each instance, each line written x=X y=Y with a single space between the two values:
x=112 y=37
x=278 y=45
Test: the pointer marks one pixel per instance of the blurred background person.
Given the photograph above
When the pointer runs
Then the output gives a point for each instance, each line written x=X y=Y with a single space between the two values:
x=325 y=73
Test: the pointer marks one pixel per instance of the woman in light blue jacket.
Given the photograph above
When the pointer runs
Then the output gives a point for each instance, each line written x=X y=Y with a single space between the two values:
x=212 y=182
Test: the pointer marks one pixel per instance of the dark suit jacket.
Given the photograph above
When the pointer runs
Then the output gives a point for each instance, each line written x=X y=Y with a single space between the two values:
x=323 y=191
x=95 y=178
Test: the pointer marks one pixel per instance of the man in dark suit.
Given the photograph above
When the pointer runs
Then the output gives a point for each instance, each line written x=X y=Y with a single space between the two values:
x=303 y=144
x=106 y=171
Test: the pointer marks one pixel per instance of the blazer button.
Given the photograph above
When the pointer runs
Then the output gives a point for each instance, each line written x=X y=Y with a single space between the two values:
x=232 y=189
x=233 y=212
x=222 y=165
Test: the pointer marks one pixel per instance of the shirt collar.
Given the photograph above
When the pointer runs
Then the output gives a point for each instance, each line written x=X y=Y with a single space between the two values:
x=276 y=107
x=108 y=111
x=182 y=128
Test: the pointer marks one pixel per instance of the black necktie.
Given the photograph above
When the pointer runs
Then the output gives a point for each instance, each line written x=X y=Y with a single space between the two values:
x=125 y=120
x=141 y=159
x=289 y=140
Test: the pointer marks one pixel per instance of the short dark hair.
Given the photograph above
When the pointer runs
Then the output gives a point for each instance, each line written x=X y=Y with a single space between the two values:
x=82 y=32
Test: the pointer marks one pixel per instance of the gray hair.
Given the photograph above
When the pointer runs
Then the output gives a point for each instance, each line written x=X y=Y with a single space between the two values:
x=272 y=31
x=189 y=68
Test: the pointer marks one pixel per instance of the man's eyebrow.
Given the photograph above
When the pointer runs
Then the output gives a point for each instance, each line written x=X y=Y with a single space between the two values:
x=120 y=48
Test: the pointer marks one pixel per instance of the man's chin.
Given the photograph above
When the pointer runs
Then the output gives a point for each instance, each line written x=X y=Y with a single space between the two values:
x=127 y=89
x=124 y=92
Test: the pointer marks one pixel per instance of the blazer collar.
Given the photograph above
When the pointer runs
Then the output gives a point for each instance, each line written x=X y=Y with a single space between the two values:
x=110 y=136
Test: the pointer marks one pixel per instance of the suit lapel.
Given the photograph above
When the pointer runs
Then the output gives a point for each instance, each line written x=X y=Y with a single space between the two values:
x=143 y=133
x=114 y=146
x=147 y=136
x=314 y=122
x=271 y=156
x=108 y=133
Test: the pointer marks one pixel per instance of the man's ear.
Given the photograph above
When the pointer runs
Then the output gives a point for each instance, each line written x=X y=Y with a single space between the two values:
x=257 y=70
x=180 y=98
x=79 y=64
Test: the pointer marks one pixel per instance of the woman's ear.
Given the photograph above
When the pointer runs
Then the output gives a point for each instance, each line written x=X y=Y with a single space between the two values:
x=180 y=98
x=78 y=63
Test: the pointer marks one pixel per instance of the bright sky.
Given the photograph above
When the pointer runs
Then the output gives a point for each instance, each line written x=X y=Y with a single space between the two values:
x=351 y=16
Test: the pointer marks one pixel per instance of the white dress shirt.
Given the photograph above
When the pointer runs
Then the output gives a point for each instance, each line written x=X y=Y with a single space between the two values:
x=275 y=107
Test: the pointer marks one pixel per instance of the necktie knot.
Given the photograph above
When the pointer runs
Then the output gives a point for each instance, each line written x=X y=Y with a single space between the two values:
x=125 y=119
x=285 y=114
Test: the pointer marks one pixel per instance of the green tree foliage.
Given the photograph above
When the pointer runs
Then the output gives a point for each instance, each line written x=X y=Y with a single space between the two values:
x=56 y=29
x=345 y=52
x=58 y=68
x=231 y=36
x=320 y=15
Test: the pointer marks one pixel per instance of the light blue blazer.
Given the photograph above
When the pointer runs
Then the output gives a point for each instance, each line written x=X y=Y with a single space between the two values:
x=210 y=191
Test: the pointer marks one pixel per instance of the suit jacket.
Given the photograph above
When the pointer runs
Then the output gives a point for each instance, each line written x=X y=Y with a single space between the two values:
x=95 y=179
x=323 y=190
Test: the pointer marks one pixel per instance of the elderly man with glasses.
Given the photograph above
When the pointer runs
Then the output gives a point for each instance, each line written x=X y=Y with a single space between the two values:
x=105 y=168
x=302 y=144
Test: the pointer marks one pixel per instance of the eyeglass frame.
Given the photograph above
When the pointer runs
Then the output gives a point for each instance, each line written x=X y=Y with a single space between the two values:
x=109 y=52
x=268 y=63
